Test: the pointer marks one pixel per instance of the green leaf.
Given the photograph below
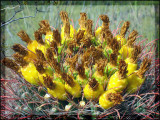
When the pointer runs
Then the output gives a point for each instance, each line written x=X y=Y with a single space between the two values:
x=75 y=48
x=49 y=70
x=59 y=58
x=59 y=49
x=94 y=41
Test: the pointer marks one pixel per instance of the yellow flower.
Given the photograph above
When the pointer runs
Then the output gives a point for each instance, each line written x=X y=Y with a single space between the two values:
x=132 y=61
x=55 y=88
x=40 y=76
x=75 y=90
x=35 y=45
x=109 y=99
x=121 y=36
x=59 y=91
x=98 y=31
x=72 y=32
x=116 y=83
x=126 y=51
x=131 y=66
x=81 y=81
x=30 y=74
x=101 y=79
x=118 y=80
x=49 y=37
x=137 y=78
x=134 y=82
x=82 y=29
x=121 y=39
x=93 y=92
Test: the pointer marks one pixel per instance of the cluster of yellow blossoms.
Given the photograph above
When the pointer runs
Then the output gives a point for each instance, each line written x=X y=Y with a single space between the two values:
x=67 y=63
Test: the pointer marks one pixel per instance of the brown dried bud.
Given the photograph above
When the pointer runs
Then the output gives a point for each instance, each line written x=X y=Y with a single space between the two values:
x=101 y=65
x=53 y=45
x=49 y=54
x=24 y=36
x=48 y=81
x=83 y=16
x=88 y=53
x=144 y=67
x=40 y=55
x=39 y=66
x=109 y=42
x=44 y=27
x=71 y=45
x=93 y=84
x=56 y=66
x=116 y=98
x=38 y=37
x=124 y=28
x=81 y=71
x=72 y=61
x=89 y=25
x=10 y=64
x=20 y=49
x=135 y=53
x=131 y=38
x=83 y=20
x=122 y=69
x=57 y=36
x=86 y=42
x=79 y=36
x=106 y=34
x=67 y=30
x=20 y=59
x=105 y=20
x=64 y=16
x=130 y=42
x=133 y=34
x=92 y=54
x=113 y=59
x=68 y=79
x=115 y=45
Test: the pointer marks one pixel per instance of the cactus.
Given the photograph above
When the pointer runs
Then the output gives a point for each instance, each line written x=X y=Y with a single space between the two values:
x=70 y=72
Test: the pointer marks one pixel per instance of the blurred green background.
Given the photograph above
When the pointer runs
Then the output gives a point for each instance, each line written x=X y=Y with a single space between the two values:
x=142 y=16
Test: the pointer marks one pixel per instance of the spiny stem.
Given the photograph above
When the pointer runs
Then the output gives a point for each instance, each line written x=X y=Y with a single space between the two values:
x=139 y=36
x=140 y=42
x=153 y=41
x=118 y=113
x=53 y=28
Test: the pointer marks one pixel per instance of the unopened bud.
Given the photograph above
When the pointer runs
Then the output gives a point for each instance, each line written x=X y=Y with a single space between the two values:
x=68 y=107
x=38 y=108
x=47 y=96
x=40 y=88
x=82 y=103
x=26 y=109
x=52 y=111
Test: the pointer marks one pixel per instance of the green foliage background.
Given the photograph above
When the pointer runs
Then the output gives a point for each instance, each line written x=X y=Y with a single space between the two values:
x=142 y=15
